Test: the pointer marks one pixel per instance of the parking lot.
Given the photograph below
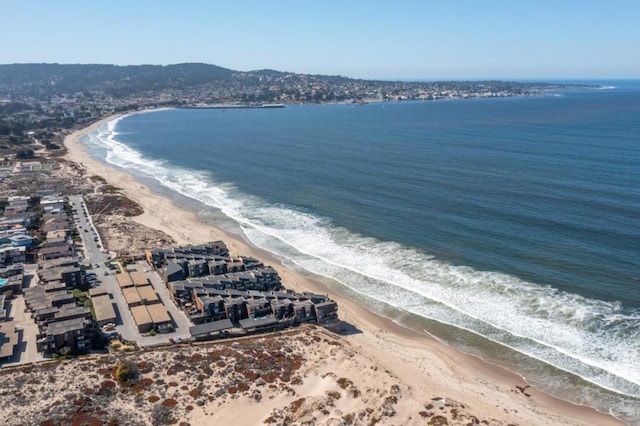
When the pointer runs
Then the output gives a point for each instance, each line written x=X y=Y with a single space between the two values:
x=103 y=273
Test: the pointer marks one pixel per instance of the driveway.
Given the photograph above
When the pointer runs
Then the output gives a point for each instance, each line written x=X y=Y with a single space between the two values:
x=26 y=350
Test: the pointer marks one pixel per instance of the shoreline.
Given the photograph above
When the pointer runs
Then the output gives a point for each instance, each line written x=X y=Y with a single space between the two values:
x=428 y=366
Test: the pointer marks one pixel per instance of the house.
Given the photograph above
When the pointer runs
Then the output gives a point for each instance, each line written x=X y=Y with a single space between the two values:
x=210 y=307
x=217 y=267
x=46 y=296
x=12 y=254
x=173 y=272
x=257 y=308
x=8 y=340
x=282 y=308
x=198 y=268
x=235 y=310
x=251 y=263
x=303 y=311
x=72 y=334
x=21 y=240
x=268 y=322
x=59 y=262
x=57 y=223
x=55 y=252
x=326 y=311
x=55 y=242
x=11 y=284
x=52 y=203
x=104 y=310
x=209 y=329
x=57 y=233
x=71 y=276
x=68 y=312
x=235 y=265
x=44 y=314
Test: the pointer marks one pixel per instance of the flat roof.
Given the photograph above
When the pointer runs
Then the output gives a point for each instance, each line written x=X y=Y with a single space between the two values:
x=158 y=313
x=131 y=295
x=54 y=328
x=97 y=291
x=147 y=293
x=8 y=339
x=250 y=323
x=210 y=327
x=141 y=315
x=124 y=280
x=103 y=308
x=138 y=278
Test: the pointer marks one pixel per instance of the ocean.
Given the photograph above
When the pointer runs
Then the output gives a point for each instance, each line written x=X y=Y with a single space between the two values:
x=508 y=228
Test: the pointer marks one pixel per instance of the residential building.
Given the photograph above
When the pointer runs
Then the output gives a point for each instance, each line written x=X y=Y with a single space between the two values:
x=72 y=334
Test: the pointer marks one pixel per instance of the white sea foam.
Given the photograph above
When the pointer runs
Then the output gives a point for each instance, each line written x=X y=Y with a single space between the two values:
x=594 y=339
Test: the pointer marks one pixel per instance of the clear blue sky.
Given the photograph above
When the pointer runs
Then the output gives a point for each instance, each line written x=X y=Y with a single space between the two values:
x=425 y=39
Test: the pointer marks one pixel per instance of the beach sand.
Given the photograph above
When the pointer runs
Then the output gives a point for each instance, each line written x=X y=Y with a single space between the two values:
x=423 y=367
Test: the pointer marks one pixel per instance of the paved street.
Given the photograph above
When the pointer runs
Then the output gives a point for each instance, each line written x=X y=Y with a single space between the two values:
x=94 y=251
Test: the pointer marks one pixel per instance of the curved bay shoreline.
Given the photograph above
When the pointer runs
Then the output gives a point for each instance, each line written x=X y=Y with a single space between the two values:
x=428 y=367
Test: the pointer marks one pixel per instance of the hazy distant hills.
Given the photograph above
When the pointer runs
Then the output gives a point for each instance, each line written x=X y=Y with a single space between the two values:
x=42 y=80
x=53 y=79
x=56 y=79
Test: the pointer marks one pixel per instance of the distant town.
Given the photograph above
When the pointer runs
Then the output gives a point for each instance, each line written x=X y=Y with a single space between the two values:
x=39 y=102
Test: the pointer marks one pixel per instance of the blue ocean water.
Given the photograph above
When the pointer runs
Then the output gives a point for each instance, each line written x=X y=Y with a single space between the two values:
x=507 y=227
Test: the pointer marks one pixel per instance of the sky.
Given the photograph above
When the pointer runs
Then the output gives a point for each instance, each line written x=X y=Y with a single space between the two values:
x=427 y=39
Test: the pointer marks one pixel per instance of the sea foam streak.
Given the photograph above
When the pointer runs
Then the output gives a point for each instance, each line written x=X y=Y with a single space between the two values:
x=593 y=339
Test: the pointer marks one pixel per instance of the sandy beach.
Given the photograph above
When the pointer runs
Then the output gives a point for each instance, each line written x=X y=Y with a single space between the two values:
x=424 y=368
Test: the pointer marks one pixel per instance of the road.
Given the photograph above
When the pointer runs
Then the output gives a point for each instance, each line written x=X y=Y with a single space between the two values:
x=94 y=252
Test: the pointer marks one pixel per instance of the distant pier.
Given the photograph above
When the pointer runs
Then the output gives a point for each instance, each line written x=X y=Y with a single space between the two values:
x=233 y=106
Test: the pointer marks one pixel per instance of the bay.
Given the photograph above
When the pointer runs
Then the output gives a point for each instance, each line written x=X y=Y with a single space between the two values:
x=508 y=227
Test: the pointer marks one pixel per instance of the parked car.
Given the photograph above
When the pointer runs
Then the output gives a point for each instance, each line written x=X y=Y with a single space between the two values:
x=110 y=334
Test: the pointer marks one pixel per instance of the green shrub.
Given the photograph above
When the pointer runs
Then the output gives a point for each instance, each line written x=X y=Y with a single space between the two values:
x=127 y=373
